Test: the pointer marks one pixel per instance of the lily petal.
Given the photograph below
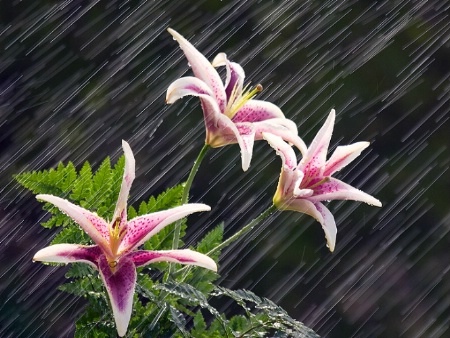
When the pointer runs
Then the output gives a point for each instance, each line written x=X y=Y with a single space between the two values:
x=314 y=161
x=69 y=253
x=127 y=180
x=95 y=226
x=257 y=110
x=186 y=256
x=335 y=189
x=219 y=128
x=319 y=212
x=246 y=140
x=342 y=156
x=284 y=128
x=141 y=228
x=202 y=68
x=328 y=225
x=235 y=75
x=185 y=86
x=120 y=286
x=284 y=150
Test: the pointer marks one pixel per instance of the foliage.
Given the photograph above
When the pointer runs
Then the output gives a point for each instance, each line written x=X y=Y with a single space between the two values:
x=164 y=306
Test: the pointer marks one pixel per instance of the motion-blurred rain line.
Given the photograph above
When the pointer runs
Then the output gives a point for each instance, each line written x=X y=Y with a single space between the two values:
x=79 y=76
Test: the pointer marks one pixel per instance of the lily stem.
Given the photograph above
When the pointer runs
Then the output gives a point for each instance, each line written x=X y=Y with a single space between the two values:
x=185 y=196
x=244 y=230
x=237 y=235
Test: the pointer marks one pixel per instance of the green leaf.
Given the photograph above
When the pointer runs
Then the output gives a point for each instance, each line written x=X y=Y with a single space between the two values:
x=211 y=240
x=82 y=187
x=166 y=200
x=101 y=184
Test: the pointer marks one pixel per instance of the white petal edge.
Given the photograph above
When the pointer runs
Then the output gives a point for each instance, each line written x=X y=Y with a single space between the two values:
x=282 y=149
x=342 y=156
x=60 y=253
x=77 y=214
x=186 y=257
x=129 y=174
x=168 y=216
x=319 y=146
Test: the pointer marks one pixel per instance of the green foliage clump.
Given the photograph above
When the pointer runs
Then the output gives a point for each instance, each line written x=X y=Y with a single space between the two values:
x=165 y=305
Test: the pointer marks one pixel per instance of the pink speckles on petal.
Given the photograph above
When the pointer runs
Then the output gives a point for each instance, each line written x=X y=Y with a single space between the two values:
x=284 y=150
x=342 y=156
x=255 y=111
x=69 y=253
x=246 y=142
x=95 y=226
x=120 y=286
x=335 y=189
x=189 y=257
x=141 y=228
x=202 y=68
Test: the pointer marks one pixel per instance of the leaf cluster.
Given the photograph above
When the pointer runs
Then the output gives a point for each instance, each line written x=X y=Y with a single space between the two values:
x=164 y=306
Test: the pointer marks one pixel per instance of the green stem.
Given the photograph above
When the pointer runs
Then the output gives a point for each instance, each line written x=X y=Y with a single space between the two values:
x=185 y=196
x=231 y=239
x=244 y=230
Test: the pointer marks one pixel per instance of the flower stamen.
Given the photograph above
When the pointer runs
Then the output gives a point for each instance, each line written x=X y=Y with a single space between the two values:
x=236 y=101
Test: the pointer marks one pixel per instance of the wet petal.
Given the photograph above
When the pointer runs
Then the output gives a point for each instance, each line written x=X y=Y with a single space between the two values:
x=120 y=286
x=217 y=125
x=328 y=225
x=141 y=228
x=69 y=253
x=283 y=149
x=335 y=189
x=188 y=85
x=235 y=75
x=127 y=181
x=284 y=128
x=246 y=140
x=342 y=156
x=319 y=212
x=95 y=226
x=312 y=164
x=188 y=257
x=202 y=68
x=256 y=110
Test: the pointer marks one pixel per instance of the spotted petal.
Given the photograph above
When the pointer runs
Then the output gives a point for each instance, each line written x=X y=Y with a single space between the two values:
x=312 y=164
x=235 y=75
x=342 y=156
x=142 y=228
x=284 y=150
x=95 y=226
x=335 y=189
x=69 y=253
x=188 y=257
x=120 y=286
x=202 y=68
x=320 y=213
x=284 y=128
x=127 y=180
x=257 y=110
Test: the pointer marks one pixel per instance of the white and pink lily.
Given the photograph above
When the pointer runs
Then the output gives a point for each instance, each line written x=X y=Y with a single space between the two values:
x=231 y=116
x=302 y=187
x=115 y=253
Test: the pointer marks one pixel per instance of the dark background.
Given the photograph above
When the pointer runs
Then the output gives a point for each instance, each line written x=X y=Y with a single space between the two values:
x=79 y=76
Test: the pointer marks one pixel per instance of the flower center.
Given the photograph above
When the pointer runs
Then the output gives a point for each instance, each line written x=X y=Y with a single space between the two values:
x=116 y=233
x=315 y=185
x=237 y=100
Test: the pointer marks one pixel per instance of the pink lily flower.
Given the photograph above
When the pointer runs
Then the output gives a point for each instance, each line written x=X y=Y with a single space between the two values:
x=115 y=253
x=302 y=187
x=230 y=114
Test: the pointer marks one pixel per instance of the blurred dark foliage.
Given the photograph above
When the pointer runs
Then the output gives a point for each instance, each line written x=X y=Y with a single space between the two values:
x=79 y=76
